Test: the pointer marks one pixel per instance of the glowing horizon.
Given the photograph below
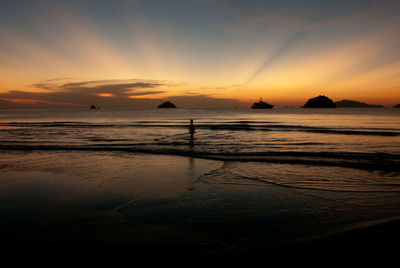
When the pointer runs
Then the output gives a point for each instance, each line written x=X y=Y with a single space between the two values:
x=120 y=53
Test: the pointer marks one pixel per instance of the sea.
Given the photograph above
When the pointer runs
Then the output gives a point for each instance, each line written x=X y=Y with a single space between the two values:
x=249 y=175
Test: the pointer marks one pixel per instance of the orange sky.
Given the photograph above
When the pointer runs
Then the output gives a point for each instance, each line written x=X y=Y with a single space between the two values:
x=72 y=54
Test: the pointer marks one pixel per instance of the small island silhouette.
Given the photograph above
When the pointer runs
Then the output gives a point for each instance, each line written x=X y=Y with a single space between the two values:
x=397 y=106
x=93 y=107
x=261 y=105
x=166 y=104
x=320 y=101
x=355 y=104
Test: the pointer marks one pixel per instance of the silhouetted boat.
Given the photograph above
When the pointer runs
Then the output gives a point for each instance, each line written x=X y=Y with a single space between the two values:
x=261 y=105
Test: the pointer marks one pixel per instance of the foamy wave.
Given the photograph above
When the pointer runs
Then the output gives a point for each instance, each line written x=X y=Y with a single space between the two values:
x=231 y=126
x=309 y=177
x=367 y=161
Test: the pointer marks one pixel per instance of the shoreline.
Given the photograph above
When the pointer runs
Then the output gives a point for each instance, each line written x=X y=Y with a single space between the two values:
x=385 y=162
x=143 y=205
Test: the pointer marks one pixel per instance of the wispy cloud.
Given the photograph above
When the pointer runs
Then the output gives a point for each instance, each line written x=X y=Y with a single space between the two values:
x=59 y=92
x=115 y=87
x=130 y=93
x=298 y=15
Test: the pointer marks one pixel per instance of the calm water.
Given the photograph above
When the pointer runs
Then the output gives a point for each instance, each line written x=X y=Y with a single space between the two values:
x=331 y=149
x=248 y=177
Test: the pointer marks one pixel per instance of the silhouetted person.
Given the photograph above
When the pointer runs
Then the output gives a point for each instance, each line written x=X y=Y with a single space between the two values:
x=191 y=130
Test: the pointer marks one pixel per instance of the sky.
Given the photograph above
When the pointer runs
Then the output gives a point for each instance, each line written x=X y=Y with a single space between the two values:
x=205 y=53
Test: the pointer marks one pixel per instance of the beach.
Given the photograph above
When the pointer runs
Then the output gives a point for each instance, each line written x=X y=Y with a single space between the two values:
x=203 y=133
x=251 y=185
x=114 y=203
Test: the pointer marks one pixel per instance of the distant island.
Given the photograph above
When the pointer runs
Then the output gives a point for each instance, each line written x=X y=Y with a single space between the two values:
x=93 y=107
x=320 y=102
x=261 y=105
x=397 y=106
x=166 y=104
x=355 y=104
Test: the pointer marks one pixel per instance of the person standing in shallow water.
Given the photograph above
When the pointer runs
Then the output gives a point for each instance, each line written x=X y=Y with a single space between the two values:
x=191 y=130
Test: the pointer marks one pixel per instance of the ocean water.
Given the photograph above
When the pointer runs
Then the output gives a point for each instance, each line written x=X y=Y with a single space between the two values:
x=365 y=139
x=259 y=174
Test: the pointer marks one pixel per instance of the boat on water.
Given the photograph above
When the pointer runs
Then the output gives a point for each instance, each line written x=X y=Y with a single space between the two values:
x=261 y=105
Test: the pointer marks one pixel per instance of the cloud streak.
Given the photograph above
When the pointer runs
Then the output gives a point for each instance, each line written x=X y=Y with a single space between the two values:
x=131 y=93
x=82 y=93
x=116 y=87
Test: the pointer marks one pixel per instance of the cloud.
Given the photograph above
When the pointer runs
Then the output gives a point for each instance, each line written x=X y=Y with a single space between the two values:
x=60 y=93
x=299 y=15
x=22 y=99
x=114 y=87
x=132 y=93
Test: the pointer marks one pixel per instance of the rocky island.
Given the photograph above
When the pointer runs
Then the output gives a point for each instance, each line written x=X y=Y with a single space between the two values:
x=320 y=102
x=166 y=104
x=397 y=106
x=355 y=104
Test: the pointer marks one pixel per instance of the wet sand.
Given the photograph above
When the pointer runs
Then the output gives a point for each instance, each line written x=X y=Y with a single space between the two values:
x=376 y=244
x=107 y=206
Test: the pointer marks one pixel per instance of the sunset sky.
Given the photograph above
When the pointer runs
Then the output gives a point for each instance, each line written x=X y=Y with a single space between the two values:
x=209 y=53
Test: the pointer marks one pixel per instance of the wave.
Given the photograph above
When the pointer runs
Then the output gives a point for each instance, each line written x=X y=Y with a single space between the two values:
x=385 y=162
x=215 y=126
x=332 y=179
